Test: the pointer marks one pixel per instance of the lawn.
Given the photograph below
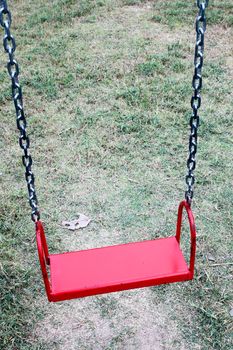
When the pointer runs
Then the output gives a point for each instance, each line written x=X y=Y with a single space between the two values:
x=107 y=89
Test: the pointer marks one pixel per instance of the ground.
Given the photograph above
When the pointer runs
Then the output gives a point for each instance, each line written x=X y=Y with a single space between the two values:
x=107 y=88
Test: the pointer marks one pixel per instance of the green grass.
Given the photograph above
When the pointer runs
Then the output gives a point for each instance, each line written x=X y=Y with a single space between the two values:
x=176 y=13
x=62 y=11
x=107 y=93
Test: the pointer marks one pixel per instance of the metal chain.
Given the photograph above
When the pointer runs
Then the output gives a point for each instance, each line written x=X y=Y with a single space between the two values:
x=196 y=98
x=13 y=70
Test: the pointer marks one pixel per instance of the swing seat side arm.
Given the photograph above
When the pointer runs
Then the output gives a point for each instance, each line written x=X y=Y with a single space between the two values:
x=192 y=228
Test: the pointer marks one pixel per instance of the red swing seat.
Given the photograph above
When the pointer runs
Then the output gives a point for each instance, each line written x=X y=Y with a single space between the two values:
x=115 y=268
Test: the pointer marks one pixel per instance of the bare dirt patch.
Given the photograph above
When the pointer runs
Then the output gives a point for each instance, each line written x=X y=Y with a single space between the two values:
x=129 y=320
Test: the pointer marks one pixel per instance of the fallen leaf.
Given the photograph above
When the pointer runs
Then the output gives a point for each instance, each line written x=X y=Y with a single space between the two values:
x=231 y=312
x=76 y=224
x=210 y=257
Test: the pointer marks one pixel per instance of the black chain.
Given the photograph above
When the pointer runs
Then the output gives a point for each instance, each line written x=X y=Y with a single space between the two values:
x=13 y=70
x=196 y=98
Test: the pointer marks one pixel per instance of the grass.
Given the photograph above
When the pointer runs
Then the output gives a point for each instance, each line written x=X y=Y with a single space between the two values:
x=107 y=89
x=175 y=13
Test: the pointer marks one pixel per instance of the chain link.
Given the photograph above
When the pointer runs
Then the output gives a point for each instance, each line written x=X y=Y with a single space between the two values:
x=196 y=98
x=13 y=70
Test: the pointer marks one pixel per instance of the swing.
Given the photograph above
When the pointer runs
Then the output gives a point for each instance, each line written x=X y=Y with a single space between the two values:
x=119 y=267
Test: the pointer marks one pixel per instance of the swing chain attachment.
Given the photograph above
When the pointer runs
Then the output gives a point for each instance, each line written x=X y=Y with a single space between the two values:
x=196 y=98
x=24 y=142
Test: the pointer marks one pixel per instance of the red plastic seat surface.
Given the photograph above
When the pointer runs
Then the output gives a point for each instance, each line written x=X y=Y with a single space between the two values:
x=114 y=268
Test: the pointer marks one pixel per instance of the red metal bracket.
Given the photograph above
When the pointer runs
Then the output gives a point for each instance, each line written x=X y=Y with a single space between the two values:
x=43 y=256
x=192 y=227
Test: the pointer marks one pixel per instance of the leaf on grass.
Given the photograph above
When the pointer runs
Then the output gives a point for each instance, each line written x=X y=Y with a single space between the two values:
x=231 y=312
x=81 y=222
x=210 y=257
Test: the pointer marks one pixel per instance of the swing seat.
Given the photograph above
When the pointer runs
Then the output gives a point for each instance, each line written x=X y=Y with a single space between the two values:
x=115 y=268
